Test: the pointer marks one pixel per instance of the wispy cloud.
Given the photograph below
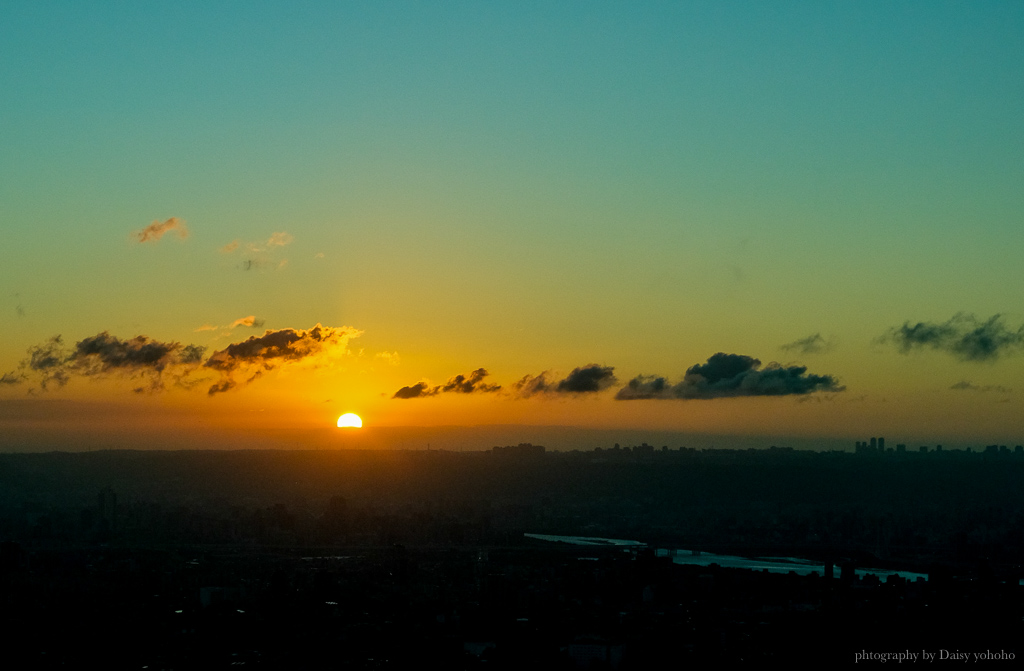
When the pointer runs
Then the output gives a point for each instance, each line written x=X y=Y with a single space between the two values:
x=962 y=336
x=158 y=229
x=812 y=344
x=729 y=376
x=964 y=385
x=260 y=254
x=251 y=321
x=280 y=239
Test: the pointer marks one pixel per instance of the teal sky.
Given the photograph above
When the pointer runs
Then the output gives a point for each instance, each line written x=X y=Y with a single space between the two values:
x=530 y=186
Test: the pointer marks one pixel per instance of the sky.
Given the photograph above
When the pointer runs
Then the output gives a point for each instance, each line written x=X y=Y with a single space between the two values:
x=787 y=219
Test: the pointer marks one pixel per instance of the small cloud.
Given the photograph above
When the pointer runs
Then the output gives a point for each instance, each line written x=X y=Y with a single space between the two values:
x=249 y=321
x=582 y=380
x=729 y=376
x=206 y=327
x=645 y=387
x=459 y=384
x=318 y=255
x=418 y=390
x=812 y=344
x=12 y=378
x=531 y=385
x=964 y=385
x=222 y=386
x=280 y=239
x=962 y=336
x=391 y=358
x=158 y=229
x=587 y=379
x=463 y=384
x=260 y=254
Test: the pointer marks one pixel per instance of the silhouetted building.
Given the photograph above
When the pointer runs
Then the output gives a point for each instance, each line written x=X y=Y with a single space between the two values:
x=107 y=506
x=520 y=450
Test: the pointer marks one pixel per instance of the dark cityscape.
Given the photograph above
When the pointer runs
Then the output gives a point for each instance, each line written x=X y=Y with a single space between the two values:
x=615 y=558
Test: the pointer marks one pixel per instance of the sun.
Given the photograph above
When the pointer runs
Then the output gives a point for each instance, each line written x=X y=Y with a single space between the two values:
x=350 y=420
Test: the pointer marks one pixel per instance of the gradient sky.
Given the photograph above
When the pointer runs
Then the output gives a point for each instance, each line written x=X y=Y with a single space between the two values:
x=521 y=187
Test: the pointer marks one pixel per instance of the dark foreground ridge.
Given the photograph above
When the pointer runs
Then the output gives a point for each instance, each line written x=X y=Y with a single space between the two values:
x=357 y=559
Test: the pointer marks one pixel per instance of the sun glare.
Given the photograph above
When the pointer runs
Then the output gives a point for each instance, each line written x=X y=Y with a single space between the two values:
x=350 y=420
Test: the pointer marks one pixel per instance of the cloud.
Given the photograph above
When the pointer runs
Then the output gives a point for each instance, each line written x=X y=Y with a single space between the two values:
x=280 y=239
x=963 y=336
x=727 y=376
x=104 y=354
x=143 y=357
x=48 y=361
x=968 y=386
x=583 y=380
x=274 y=349
x=222 y=386
x=206 y=327
x=258 y=255
x=812 y=344
x=158 y=229
x=249 y=321
x=391 y=357
x=531 y=385
x=644 y=387
x=462 y=384
x=587 y=379
x=418 y=390
x=459 y=384
x=12 y=378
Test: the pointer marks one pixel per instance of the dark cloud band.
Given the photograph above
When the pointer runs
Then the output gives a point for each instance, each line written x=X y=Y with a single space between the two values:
x=237 y=364
x=104 y=354
x=962 y=336
x=729 y=376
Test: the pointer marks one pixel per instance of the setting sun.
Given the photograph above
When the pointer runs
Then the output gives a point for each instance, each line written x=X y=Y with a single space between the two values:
x=350 y=420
